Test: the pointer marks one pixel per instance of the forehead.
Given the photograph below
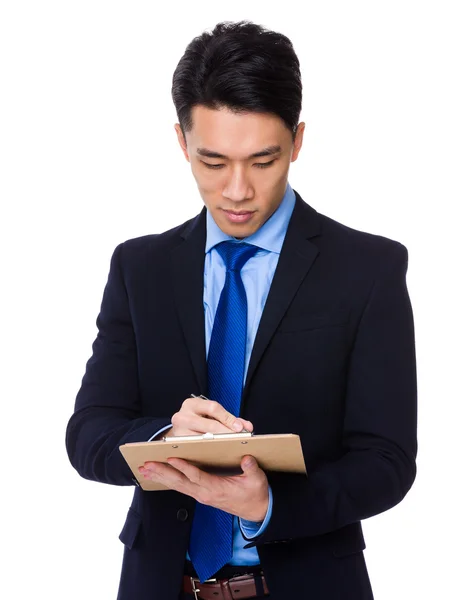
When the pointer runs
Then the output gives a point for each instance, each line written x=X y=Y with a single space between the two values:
x=236 y=135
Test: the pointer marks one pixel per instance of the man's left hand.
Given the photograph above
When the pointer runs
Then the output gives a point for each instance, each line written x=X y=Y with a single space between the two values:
x=245 y=495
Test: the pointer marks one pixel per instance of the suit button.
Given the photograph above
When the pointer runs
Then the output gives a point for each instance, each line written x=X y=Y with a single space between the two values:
x=182 y=514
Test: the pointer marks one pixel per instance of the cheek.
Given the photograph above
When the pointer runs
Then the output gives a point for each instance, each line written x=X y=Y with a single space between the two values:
x=207 y=181
x=274 y=185
x=209 y=191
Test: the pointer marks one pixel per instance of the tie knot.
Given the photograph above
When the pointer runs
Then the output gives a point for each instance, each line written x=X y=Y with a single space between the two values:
x=236 y=254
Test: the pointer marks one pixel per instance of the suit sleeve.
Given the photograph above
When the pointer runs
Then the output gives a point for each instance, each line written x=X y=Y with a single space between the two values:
x=107 y=408
x=379 y=441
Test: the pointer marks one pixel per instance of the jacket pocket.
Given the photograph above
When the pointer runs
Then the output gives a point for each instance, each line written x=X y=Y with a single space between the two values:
x=131 y=528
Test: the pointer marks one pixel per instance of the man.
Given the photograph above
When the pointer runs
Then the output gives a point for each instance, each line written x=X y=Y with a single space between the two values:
x=288 y=321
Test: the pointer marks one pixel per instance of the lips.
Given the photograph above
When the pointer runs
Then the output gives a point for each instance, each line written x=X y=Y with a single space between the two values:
x=238 y=217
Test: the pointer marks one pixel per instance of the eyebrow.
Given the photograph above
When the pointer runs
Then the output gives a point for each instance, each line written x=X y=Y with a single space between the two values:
x=268 y=151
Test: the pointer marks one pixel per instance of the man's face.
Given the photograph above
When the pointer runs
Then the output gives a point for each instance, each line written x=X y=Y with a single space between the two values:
x=240 y=163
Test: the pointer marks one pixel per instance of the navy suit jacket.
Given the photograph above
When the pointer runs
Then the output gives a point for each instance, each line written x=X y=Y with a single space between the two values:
x=333 y=361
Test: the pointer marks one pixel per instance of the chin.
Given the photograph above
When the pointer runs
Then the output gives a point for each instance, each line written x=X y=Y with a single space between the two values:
x=239 y=232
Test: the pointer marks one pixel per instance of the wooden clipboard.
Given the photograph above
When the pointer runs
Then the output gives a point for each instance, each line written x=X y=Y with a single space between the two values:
x=220 y=454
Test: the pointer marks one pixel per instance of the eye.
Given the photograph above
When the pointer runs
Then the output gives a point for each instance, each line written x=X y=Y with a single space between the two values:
x=219 y=166
x=264 y=165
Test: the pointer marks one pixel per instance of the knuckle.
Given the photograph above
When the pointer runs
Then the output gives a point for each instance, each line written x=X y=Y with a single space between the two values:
x=228 y=418
x=212 y=406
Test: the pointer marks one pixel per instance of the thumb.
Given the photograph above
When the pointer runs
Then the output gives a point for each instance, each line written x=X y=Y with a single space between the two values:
x=249 y=464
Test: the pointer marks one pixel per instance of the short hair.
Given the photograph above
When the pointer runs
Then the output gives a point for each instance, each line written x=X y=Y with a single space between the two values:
x=240 y=66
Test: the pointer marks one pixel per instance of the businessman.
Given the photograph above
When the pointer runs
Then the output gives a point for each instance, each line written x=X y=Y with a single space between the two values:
x=259 y=313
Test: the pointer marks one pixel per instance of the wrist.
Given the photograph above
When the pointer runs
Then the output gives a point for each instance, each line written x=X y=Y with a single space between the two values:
x=259 y=515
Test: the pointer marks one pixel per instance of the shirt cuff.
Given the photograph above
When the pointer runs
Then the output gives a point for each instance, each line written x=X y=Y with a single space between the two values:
x=160 y=431
x=252 y=529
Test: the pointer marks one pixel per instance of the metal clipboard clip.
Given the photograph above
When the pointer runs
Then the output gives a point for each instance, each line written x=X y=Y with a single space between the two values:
x=209 y=436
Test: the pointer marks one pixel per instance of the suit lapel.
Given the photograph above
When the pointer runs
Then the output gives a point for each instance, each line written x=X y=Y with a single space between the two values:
x=188 y=277
x=296 y=258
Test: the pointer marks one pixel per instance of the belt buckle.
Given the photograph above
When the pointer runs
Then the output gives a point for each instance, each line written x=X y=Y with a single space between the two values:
x=194 y=589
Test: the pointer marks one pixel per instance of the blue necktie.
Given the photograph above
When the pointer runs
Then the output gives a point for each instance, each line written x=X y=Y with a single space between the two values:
x=211 y=535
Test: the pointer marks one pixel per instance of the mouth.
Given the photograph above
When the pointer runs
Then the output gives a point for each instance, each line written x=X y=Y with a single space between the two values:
x=241 y=216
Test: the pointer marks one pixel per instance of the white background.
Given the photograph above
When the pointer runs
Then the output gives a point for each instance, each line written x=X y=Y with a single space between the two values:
x=89 y=158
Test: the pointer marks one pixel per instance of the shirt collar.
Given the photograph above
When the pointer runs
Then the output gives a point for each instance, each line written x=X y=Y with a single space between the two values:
x=271 y=234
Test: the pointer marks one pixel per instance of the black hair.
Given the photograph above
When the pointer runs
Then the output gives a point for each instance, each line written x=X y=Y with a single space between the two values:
x=240 y=66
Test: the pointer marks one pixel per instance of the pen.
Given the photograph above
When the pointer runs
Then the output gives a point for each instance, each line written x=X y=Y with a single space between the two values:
x=204 y=398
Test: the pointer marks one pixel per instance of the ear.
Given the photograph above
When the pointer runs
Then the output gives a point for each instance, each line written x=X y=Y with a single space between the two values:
x=181 y=140
x=298 y=141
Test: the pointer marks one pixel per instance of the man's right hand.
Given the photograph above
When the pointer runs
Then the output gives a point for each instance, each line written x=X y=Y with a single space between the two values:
x=197 y=416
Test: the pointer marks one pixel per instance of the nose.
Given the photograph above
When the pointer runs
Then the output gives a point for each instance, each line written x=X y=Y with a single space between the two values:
x=238 y=186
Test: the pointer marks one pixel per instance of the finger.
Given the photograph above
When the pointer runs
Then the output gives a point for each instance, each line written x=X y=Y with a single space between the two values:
x=199 y=415
x=193 y=474
x=186 y=423
x=249 y=464
x=216 y=411
x=154 y=471
x=165 y=474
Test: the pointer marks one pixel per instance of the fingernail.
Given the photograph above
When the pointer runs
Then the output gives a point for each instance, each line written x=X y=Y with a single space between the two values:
x=238 y=426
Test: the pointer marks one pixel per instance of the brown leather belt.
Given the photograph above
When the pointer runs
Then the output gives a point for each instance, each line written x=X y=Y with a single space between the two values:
x=241 y=586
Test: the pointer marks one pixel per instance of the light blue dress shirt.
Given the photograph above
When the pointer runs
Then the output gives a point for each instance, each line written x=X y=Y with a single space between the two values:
x=257 y=275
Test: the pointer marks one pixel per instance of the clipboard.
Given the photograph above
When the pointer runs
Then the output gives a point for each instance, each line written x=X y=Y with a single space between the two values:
x=218 y=453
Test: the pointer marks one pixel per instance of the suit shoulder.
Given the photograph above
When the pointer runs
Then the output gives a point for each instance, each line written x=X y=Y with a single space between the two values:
x=342 y=240
x=360 y=253
x=171 y=237
x=361 y=244
x=136 y=248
